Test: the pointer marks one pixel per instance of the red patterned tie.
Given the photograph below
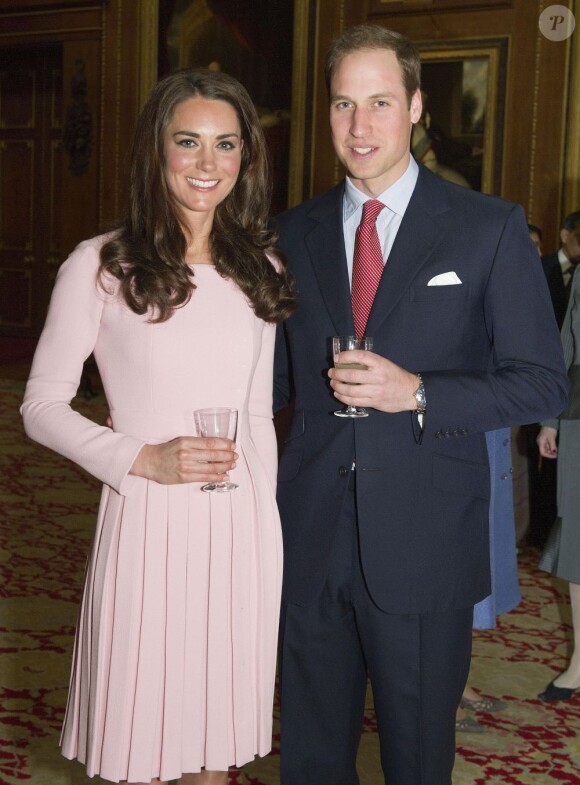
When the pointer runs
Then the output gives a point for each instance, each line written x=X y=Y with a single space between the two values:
x=367 y=266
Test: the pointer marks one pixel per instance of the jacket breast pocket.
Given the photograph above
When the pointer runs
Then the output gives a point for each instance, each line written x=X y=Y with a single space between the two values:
x=436 y=294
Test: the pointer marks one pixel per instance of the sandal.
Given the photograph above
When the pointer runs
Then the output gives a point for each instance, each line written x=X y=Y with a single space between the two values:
x=468 y=725
x=486 y=705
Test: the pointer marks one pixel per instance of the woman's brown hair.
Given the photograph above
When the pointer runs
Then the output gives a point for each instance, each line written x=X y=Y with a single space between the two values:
x=147 y=253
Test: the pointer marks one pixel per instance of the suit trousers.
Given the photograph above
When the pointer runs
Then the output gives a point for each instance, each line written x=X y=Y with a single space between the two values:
x=417 y=665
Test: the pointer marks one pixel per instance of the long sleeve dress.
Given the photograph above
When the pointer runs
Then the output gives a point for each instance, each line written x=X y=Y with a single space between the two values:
x=174 y=660
x=505 y=591
x=561 y=554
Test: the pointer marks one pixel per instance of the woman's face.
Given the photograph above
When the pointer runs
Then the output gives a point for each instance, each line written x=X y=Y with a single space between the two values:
x=203 y=154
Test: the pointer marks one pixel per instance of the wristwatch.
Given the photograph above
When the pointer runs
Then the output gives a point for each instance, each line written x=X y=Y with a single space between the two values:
x=420 y=396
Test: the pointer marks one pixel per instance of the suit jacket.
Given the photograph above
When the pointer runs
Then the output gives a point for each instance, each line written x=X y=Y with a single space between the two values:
x=487 y=359
x=555 y=279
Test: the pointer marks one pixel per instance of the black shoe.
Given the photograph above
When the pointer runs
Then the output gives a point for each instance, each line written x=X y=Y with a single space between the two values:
x=553 y=693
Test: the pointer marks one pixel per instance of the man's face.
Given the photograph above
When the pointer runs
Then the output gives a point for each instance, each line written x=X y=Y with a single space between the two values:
x=571 y=244
x=370 y=118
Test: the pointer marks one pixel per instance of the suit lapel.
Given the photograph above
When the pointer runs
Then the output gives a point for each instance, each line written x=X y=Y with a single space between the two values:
x=416 y=238
x=325 y=243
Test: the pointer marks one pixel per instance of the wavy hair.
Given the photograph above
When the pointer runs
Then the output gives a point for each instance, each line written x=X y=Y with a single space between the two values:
x=147 y=253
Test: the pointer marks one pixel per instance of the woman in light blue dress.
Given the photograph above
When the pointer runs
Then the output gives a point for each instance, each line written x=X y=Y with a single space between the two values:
x=505 y=591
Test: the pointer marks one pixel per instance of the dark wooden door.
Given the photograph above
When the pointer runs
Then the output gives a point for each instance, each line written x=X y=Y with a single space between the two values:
x=30 y=184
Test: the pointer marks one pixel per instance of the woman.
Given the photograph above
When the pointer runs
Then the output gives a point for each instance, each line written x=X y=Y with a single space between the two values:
x=505 y=590
x=174 y=661
x=561 y=555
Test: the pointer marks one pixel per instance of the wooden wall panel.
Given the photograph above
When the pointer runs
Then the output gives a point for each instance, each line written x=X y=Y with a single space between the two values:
x=537 y=101
x=81 y=120
x=107 y=63
x=17 y=194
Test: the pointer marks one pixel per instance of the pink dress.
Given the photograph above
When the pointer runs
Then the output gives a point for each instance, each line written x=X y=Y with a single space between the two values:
x=174 y=659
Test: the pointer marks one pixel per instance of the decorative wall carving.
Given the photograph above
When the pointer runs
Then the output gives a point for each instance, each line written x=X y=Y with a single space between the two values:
x=78 y=127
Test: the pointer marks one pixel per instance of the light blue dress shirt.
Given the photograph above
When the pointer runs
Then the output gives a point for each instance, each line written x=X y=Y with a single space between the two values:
x=396 y=198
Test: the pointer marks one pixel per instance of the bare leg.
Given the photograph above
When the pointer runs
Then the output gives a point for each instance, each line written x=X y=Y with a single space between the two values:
x=470 y=693
x=153 y=782
x=571 y=676
x=204 y=778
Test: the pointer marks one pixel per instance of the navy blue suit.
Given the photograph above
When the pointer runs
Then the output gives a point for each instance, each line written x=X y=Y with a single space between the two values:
x=490 y=357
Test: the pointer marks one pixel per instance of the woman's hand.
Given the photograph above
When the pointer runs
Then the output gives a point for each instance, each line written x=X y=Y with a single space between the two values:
x=185 y=459
x=546 y=441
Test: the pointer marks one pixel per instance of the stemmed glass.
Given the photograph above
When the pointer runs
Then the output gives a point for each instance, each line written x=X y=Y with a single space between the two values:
x=219 y=422
x=347 y=343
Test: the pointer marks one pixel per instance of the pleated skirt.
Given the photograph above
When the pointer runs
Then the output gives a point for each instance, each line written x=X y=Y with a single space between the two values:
x=174 y=659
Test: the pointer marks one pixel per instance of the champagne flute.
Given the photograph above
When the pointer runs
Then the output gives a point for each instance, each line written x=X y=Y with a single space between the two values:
x=347 y=343
x=217 y=422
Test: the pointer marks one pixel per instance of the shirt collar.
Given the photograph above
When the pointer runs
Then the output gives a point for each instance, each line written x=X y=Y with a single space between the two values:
x=563 y=259
x=396 y=197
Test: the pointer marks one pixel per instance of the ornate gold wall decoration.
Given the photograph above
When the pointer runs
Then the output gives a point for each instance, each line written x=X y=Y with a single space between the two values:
x=78 y=127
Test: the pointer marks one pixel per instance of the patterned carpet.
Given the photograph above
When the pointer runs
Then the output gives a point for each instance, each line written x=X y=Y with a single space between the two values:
x=47 y=510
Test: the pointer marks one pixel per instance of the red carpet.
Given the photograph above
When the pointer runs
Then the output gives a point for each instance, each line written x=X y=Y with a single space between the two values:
x=47 y=511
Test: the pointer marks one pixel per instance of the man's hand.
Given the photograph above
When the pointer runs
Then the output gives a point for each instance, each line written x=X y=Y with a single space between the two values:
x=383 y=386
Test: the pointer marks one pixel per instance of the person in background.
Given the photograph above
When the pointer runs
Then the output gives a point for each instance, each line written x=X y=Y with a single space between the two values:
x=505 y=590
x=174 y=662
x=542 y=473
x=559 y=266
x=561 y=437
x=536 y=237
x=385 y=517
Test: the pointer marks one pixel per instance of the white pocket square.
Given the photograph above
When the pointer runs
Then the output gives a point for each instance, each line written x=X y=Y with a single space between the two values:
x=445 y=279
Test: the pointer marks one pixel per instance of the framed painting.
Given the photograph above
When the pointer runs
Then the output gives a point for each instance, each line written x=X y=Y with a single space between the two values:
x=461 y=130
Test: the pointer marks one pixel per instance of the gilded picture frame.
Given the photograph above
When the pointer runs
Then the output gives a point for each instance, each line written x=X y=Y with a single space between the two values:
x=463 y=87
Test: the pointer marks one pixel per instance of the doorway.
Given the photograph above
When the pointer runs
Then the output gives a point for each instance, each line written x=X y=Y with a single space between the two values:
x=30 y=184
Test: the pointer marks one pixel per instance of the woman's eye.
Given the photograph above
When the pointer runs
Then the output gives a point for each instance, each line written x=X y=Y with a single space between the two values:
x=186 y=142
x=226 y=146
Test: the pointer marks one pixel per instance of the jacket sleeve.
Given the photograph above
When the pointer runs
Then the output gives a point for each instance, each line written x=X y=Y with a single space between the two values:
x=526 y=380
x=69 y=337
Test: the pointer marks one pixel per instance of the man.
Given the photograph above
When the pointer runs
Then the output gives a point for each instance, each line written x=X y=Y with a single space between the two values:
x=559 y=267
x=535 y=235
x=385 y=518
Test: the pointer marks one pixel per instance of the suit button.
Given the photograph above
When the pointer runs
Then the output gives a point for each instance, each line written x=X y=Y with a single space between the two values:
x=343 y=471
x=438 y=435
